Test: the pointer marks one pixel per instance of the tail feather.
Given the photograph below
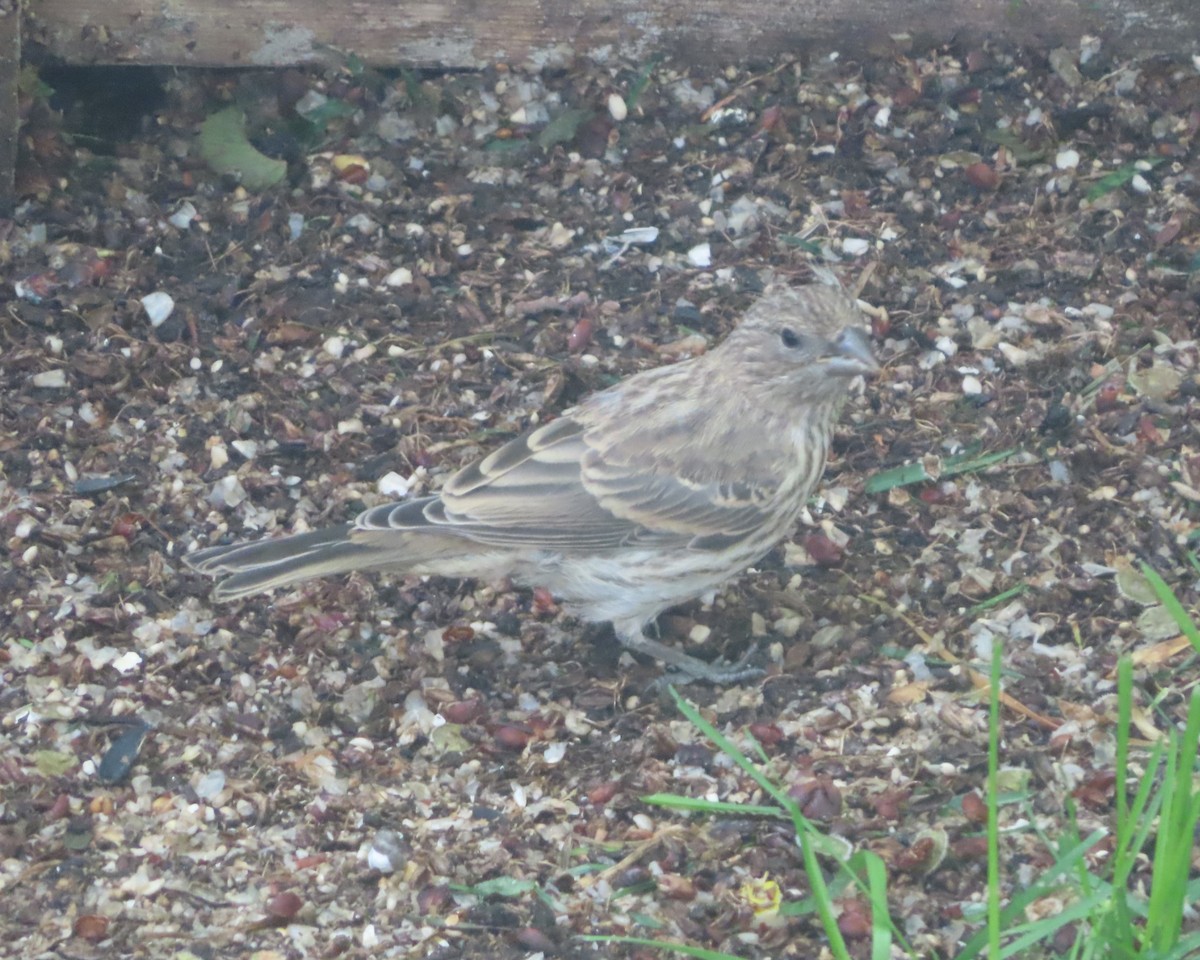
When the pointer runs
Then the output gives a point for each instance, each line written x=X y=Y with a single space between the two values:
x=266 y=564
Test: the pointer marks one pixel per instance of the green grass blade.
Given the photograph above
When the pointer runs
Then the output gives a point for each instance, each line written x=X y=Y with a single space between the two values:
x=911 y=473
x=674 y=801
x=808 y=836
x=1042 y=931
x=1012 y=911
x=1176 y=835
x=638 y=87
x=881 y=933
x=685 y=949
x=993 y=800
x=998 y=599
x=1167 y=598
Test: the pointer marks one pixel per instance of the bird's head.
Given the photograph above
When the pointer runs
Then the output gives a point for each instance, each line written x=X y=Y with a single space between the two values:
x=812 y=338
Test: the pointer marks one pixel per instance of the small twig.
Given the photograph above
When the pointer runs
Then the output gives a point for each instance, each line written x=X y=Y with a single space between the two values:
x=644 y=847
x=737 y=91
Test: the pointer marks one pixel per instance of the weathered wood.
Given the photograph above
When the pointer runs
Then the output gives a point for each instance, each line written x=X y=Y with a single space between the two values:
x=10 y=72
x=466 y=33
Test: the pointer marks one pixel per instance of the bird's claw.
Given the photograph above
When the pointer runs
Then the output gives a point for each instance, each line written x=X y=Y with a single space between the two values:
x=684 y=668
x=719 y=673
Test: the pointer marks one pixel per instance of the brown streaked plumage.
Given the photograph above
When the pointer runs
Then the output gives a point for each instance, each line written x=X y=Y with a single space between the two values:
x=647 y=494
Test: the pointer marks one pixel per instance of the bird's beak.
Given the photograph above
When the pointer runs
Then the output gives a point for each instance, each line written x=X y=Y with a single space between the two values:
x=850 y=355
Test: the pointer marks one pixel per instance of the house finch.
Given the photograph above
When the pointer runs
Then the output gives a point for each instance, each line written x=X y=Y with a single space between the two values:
x=647 y=494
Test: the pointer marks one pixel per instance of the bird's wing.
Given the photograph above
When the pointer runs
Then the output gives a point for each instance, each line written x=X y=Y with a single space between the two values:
x=667 y=507
x=558 y=488
x=525 y=494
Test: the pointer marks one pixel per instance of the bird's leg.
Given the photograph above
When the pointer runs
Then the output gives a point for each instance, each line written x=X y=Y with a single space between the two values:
x=720 y=673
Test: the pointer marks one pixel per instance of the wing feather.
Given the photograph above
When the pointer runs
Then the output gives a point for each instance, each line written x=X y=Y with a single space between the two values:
x=553 y=489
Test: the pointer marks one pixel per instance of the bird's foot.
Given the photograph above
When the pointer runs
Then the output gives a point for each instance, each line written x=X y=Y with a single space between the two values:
x=684 y=668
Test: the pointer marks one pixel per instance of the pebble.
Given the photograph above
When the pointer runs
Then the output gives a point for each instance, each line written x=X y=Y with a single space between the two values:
x=127 y=662
x=559 y=236
x=1013 y=354
x=183 y=216
x=393 y=485
x=50 y=379
x=227 y=492
x=1067 y=159
x=400 y=277
x=210 y=784
x=386 y=851
x=158 y=307
x=363 y=224
x=700 y=255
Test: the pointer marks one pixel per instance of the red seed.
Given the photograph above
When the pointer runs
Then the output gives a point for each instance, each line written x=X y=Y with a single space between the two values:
x=432 y=899
x=982 y=176
x=459 y=633
x=770 y=118
x=284 y=905
x=889 y=803
x=818 y=798
x=935 y=495
x=1148 y=431
x=950 y=219
x=329 y=622
x=580 y=336
x=91 y=927
x=675 y=887
x=768 y=734
x=915 y=859
x=602 y=793
x=462 y=711
x=969 y=848
x=511 y=738
x=854 y=921
x=127 y=525
x=824 y=552
x=974 y=809
x=543 y=602
x=60 y=809
x=1108 y=396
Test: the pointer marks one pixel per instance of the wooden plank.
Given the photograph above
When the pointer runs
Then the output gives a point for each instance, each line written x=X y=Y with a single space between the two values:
x=10 y=120
x=469 y=33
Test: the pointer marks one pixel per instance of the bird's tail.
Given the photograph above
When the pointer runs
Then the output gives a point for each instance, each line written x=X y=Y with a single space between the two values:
x=265 y=564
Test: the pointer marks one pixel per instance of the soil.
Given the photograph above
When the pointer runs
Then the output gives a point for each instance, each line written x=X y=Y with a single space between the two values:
x=388 y=766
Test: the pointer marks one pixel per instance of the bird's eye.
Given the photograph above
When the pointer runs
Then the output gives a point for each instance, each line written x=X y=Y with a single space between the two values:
x=790 y=338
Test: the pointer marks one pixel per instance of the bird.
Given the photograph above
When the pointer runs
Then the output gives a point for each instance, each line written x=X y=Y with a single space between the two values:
x=644 y=495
